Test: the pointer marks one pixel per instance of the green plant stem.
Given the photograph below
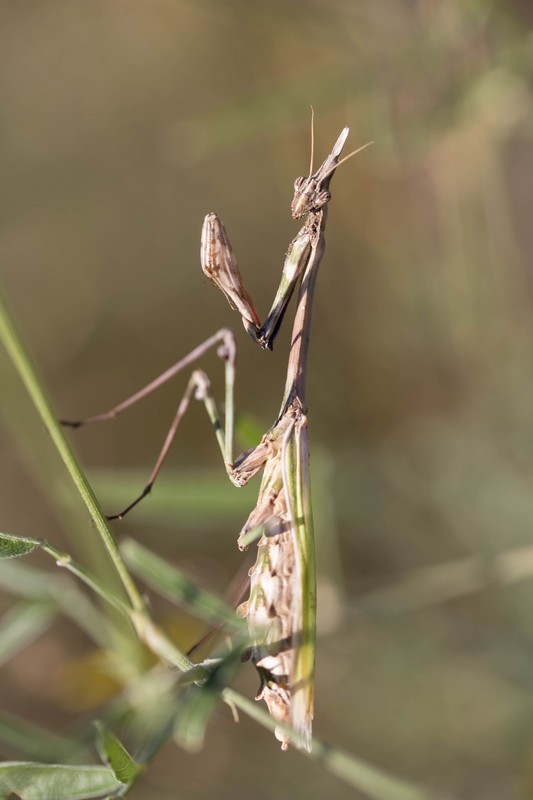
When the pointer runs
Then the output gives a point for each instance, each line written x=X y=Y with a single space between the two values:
x=65 y=560
x=373 y=782
x=28 y=374
x=146 y=629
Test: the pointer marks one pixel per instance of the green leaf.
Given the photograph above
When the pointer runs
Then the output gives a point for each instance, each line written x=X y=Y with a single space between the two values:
x=55 y=781
x=116 y=755
x=13 y=546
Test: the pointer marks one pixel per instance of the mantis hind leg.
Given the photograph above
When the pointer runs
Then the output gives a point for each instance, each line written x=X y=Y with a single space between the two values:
x=198 y=387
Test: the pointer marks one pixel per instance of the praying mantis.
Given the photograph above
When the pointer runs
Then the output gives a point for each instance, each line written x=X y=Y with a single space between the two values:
x=281 y=607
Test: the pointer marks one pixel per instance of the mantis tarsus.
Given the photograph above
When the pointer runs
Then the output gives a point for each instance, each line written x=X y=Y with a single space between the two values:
x=282 y=603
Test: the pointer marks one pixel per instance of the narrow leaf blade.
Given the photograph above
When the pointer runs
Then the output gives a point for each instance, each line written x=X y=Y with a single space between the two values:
x=298 y=491
x=14 y=546
x=116 y=755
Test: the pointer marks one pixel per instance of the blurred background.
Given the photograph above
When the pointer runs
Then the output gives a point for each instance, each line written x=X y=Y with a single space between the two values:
x=122 y=125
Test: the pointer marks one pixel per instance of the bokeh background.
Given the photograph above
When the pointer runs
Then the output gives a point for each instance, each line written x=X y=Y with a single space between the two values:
x=122 y=124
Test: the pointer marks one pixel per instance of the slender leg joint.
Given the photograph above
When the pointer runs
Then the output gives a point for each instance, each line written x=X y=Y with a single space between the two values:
x=202 y=384
x=145 y=492
x=227 y=351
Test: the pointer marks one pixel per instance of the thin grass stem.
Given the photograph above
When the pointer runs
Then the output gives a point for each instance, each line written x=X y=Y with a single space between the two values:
x=21 y=359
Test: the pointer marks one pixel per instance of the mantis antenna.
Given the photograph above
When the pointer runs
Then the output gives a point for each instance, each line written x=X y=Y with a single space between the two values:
x=312 y=140
x=353 y=153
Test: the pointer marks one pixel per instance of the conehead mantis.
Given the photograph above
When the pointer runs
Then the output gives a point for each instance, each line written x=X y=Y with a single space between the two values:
x=281 y=608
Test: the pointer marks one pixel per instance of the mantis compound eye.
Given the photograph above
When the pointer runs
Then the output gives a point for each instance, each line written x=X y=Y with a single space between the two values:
x=299 y=184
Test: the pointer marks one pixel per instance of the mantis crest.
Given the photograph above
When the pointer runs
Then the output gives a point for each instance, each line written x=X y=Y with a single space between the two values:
x=281 y=607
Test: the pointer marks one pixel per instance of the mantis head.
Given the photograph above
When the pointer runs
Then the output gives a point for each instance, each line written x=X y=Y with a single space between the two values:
x=312 y=193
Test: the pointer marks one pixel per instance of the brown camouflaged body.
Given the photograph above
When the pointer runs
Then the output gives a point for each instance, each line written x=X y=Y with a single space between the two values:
x=269 y=609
